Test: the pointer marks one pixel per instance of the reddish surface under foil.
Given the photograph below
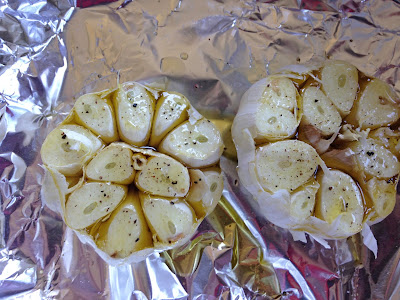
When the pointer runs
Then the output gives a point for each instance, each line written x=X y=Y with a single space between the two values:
x=87 y=3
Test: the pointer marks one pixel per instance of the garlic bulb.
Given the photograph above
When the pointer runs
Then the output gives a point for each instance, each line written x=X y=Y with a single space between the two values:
x=317 y=151
x=133 y=170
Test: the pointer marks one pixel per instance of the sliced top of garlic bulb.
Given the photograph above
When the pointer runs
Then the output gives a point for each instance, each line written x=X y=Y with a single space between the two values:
x=295 y=187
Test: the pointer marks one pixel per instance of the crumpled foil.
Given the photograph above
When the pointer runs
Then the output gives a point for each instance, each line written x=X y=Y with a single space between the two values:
x=212 y=51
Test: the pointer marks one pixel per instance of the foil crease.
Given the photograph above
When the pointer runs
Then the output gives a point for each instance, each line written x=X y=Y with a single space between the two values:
x=211 y=51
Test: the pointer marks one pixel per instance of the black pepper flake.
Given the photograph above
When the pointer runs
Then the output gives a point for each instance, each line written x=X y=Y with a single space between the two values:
x=174 y=182
x=64 y=136
x=105 y=194
x=172 y=203
x=137 y=240
x=316 y=100
x=195 y=182
x=134 y=104
x=134 y=222
x=391 y=180
x=330 y=188
x=370 y=153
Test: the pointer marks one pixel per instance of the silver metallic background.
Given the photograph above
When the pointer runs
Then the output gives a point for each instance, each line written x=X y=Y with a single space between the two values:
x=211 y=51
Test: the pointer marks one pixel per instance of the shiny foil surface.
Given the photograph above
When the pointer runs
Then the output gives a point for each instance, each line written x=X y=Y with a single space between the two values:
x=211 y=51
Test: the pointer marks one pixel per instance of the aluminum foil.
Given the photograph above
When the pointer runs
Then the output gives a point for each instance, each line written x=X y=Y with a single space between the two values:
x=212 y=51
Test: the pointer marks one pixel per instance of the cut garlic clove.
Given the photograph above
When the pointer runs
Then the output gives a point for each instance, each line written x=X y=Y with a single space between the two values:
x=274 y=122
x=198 y=187
x=279 y=91
x=68 y=147
x=340 y=83
x=126 y=231
x=169 y=219
x=91 y=202
x=383 y=196
x=171 y=110
x=113 y=163
x=320 y=112
x=134 y=108
x=197 y=145
x=163 y=176
x=389 y=138
x=215 y=182
x=277 y=114
x=375 y=159
x=302 y=201
x=205 y=190
x=377 y=106
x=340 y=196
x=285 y=165
x=224 y=126
x=97 y=114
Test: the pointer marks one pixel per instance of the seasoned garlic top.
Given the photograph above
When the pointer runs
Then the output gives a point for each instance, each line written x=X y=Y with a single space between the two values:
x=319 y=151
x=136 y=170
